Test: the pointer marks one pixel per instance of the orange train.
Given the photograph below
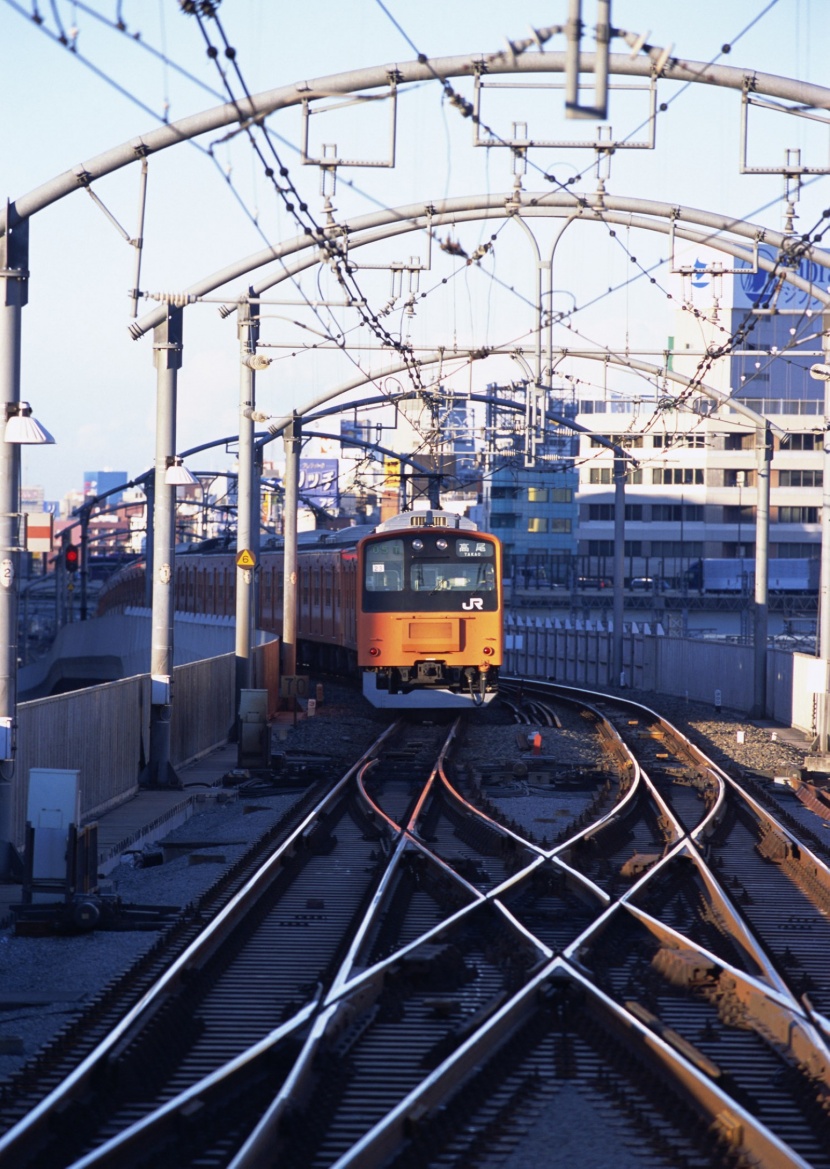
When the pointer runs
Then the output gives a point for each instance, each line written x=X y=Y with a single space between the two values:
x=414 y=605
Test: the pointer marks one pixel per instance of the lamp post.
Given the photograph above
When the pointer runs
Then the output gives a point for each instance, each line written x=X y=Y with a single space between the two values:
x=821 y=746
x=167 y=354
x=20 y=428
x=247 y=516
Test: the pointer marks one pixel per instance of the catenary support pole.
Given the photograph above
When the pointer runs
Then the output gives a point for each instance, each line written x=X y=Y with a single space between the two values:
x=84 y=562
x=14 y=277
x=149 y=513
x=619 y=567
x=763 y=438
x=167 y=355
x=256 y=544
x=292 y=439
x=821 y=745
x=248 y=329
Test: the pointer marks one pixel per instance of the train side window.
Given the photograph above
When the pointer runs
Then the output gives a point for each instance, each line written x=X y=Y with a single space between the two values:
x=384 y=567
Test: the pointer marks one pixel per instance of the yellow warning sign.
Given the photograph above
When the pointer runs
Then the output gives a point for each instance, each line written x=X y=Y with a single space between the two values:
x=246 y=559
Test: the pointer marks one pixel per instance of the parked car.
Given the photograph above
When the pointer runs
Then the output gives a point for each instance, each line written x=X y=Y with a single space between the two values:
x=594 y=582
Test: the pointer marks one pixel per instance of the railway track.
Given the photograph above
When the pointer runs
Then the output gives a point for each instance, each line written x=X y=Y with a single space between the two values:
x=415 y=977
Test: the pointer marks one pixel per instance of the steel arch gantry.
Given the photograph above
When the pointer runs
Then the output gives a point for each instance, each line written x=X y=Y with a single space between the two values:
x=738 y=239
x=14 y=255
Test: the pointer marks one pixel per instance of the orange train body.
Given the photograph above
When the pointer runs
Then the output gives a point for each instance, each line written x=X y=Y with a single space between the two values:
x=415 y=605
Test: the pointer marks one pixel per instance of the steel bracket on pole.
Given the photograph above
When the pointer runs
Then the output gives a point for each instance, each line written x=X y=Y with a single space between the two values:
x=168 y=340
x=14 y=262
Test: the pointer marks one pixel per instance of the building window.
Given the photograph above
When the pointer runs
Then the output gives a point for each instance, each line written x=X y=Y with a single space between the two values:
x=560 y=524
x=802 y=442
x=693 y=441
x=798 y=515
x=739 y=442
x=800 y=478
x=738 y=478
x=537 y=495
x=605 y=512
x=537 y=524
x=739 y=515
x=677 y=548
x=795 y=551
x=506 y=520
x=605 y=475
x=561 y=495
x=606 y=548
x=501 y=492
x=677 y=476
x=626 y=441
x=676 y=513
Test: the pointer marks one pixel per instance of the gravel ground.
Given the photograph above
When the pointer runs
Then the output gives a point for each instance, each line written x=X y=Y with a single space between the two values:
x=758 y=752
x=45 y=981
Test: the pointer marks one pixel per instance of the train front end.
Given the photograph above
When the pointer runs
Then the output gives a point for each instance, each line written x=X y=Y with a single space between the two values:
x=429 y=612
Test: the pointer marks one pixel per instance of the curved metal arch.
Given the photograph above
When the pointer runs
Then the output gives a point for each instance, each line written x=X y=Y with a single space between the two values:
x=647 y=214
x=380 y=76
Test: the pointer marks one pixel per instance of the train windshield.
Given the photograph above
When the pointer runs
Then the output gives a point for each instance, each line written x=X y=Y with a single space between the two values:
x=429 y=572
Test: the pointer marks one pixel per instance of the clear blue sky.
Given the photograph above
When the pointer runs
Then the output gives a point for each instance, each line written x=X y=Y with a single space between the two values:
x=95 y=388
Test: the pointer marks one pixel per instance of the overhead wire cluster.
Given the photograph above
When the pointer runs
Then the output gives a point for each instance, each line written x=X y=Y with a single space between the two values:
x=286 y=189
x=280 y=178
x=732 y=339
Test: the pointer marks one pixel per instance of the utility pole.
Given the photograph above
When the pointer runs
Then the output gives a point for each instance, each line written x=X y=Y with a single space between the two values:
x=167 y=356
x=619 y=565
x=819 y=759
x=248 y=328
x=14 y=294
x=292 y=439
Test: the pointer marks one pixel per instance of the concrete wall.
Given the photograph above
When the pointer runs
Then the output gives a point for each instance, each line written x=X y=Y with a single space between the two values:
x=809 y=679
x=118 y=646
x=579 y=652
x=103 y=731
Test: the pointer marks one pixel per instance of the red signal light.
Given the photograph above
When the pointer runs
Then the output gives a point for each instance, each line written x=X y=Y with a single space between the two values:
x=72 y=558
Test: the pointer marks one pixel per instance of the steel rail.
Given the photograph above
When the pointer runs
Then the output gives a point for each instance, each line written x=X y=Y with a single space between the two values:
x=25 y=1131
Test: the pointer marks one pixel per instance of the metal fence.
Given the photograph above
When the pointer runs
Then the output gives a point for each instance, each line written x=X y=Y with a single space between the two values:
x=580 y=652
x=103 y=731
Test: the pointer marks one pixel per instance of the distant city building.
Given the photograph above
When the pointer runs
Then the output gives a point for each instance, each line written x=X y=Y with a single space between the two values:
x=99 y=482
x=529 y=489
x=31 y=500
x=693 y=492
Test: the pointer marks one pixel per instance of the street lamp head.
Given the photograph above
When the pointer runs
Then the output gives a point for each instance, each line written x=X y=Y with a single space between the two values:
x=177 y=474
x=820 y=372
x=22 y=428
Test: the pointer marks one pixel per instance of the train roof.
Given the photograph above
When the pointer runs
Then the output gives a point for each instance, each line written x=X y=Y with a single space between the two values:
x=427 y=519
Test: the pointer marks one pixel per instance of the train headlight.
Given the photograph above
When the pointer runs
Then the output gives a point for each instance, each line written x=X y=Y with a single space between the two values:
x=374 y=652
x=442 y=544
x=488 y=650
x=418 y=545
